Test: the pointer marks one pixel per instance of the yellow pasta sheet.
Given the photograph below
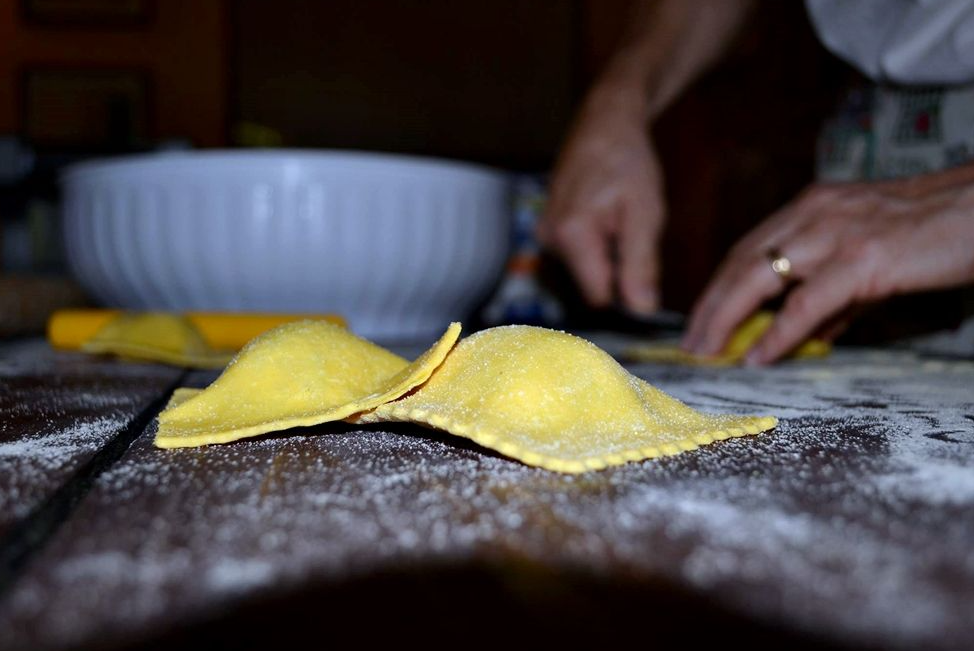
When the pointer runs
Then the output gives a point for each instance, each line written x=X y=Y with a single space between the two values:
x=556 y=401
x=546 y=398
x=741 y=341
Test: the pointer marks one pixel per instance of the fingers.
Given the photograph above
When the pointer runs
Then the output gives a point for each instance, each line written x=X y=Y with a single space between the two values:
x=838 y=323
x=637 y=245
x=607 y=233
x=739 y=288
x=585 y=246
x=746 y=279
x=807 y=308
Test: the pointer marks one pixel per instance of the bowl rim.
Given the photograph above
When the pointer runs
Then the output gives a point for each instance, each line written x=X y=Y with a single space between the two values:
x=152 y=161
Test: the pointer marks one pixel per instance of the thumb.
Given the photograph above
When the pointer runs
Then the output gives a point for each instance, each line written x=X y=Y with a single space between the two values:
x=638 y=248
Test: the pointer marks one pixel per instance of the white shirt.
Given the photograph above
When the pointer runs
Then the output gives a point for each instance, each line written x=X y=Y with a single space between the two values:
x=913 y=42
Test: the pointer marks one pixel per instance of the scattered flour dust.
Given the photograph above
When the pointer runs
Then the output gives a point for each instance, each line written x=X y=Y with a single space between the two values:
x=845 y=520
x=56 y=410
x=45 y=459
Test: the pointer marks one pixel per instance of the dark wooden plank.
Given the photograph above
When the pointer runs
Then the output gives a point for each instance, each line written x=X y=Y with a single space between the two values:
x=853 y=524
x=57 y=410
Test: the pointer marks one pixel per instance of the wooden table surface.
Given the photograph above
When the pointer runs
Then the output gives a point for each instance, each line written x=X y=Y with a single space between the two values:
x=849 y=526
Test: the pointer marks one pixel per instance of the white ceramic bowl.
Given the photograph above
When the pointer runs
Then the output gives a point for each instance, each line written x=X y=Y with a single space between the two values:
x=397 y=245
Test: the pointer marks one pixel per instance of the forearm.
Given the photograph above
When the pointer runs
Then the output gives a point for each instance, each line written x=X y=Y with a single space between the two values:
x=668 y=45
x=939 y=181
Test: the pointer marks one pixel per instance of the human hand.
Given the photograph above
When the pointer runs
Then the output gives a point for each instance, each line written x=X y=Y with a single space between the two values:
x=848 y=245
x=605 y=210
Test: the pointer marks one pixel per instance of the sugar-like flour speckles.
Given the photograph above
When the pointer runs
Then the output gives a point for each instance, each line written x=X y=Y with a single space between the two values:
x=49 y=452
x=844 y=521
x=57 y=410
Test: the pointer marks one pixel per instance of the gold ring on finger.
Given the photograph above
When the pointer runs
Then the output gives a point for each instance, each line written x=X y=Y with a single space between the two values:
x=780 y=264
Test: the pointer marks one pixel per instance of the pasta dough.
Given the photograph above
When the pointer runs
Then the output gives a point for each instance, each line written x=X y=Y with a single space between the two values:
x=156 y=337
x=546 y=398
x=741 y=341
x=299 y=374
x=553 y=400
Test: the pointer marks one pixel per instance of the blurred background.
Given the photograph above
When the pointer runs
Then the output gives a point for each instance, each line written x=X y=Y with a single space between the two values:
x=488 y=81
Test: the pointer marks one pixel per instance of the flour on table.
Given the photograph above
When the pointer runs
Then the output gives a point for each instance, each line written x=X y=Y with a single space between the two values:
x=843 y=521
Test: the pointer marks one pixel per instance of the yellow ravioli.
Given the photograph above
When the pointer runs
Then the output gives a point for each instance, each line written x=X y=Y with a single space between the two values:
x=556 y=401
x=297 y=375
x=181 y=395
x=742 y=339
x=156 y=337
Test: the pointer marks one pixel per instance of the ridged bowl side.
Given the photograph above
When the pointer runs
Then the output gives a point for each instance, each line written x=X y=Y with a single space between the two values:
x=399 y=246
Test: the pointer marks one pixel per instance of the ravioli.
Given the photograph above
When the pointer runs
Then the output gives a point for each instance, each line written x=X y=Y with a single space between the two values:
x=156 y=337
x=553 y=400
x=741 y=341
x=297 y=375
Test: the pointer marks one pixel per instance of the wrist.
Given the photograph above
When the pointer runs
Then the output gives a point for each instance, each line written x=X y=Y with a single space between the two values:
x=622 y=100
